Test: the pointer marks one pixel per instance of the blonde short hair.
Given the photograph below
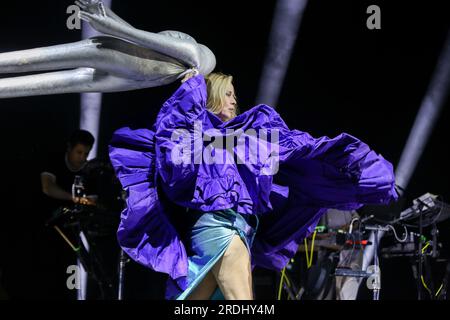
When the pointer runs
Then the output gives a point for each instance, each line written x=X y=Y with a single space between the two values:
x=216 y=84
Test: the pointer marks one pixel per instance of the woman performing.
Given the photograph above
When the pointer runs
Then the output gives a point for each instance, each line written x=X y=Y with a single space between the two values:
x=206 y=210
x=210 y=194
x=124 y=59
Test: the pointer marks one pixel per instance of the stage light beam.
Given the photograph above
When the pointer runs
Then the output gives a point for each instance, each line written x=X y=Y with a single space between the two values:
x=283 y=35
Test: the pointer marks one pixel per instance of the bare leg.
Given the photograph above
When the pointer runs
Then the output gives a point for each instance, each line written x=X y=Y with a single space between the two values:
x=69 y=81
x=233 y=272
x=59 y=57
x=112 y=55
x=105 y=64
x=205 y=289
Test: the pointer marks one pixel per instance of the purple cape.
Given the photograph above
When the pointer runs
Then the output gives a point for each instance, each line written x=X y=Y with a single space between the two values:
x=313 y=174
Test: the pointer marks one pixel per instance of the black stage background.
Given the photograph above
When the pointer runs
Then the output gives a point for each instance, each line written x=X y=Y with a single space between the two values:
x=342 y=78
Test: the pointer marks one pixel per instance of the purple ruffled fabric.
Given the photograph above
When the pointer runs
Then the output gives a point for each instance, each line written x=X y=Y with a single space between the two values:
x=313 y=174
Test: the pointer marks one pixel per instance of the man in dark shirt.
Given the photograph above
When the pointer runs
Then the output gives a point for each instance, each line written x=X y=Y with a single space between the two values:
x=57 y=177
x=98 y=227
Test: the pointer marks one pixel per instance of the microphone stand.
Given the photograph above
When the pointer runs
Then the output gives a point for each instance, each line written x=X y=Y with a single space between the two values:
x=123 y=260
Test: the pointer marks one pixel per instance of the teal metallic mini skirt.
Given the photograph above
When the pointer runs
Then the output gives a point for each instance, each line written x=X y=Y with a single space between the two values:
x=210 y=235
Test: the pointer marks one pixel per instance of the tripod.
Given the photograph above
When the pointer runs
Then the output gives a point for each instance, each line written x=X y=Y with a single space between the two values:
x=77 y=219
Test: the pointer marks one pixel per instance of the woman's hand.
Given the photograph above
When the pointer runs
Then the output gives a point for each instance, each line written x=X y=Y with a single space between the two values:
x=189 y=75
x=87 y=201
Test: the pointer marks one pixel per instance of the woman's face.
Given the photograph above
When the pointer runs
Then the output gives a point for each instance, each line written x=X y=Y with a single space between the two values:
x=229 y=109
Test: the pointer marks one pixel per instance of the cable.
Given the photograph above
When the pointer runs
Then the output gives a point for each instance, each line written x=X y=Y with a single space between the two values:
x=425 y=285
x=423 y=249
x=283 y=277
x=439 y=290
x=395 y=233
x=281 y=282
x=309 y=256
x=306 y=251
x=350 y=229
x=66 y=239
x=312 y=250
